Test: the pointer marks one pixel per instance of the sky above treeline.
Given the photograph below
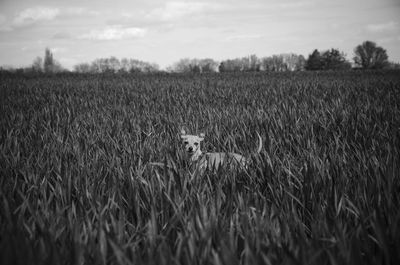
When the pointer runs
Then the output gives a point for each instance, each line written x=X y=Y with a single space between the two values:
x=163 y=32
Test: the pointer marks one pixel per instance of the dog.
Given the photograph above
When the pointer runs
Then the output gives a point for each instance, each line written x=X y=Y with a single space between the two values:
x=212 y=161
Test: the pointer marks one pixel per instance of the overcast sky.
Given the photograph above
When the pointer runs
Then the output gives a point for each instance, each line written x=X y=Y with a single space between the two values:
x=163 y=32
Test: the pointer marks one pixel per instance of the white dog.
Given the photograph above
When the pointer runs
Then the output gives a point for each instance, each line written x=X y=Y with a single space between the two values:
x=213 y=161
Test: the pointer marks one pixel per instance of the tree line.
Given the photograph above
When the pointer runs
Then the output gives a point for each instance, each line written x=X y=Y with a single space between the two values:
x=367 y=55
x=114 y=65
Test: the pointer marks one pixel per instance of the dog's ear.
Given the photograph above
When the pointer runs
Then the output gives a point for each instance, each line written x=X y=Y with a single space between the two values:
x=202 y=135
x=183 y=133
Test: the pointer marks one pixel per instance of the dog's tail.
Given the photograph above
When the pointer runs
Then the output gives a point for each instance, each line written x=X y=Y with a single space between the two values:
x=259 y=144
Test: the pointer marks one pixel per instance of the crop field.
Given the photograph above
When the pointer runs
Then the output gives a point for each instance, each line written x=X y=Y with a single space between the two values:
x=77 y=187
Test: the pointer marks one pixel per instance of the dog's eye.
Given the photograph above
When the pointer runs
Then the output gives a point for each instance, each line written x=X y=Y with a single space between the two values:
x=196 y=144
x=185 y=142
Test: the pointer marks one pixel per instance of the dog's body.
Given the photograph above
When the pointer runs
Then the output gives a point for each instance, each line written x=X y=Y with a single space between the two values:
x=212 y=161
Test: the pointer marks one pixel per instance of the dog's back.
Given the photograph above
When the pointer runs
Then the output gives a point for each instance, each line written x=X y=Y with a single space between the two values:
x=229 y=160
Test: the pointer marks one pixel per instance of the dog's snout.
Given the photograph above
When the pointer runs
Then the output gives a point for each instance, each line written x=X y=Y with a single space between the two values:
x=190 y=149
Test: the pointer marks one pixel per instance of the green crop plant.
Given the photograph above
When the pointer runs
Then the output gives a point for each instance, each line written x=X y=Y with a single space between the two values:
x=76 y=186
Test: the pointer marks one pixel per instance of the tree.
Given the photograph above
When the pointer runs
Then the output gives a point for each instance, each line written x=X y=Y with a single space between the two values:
x=293 y=61
x=57 y=67
x=48 y=61
x=208 y=65
x=82 y=68
x=125 y=65
x=50 y=65
x=37 y=65
x=182 y=66
x=278 y=63
x=254 y=63
x=199 y=66
x=231 y=65
x=283 y=62
x=334 y=60
x=370 y=56
x=105 y=65
x=274 y=63
x=114 y=65
x=246 y=64
x=300 y=64
x=266 y=64
x=314 y=61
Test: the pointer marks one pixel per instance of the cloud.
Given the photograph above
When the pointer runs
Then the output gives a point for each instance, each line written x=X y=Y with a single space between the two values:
x=33 y=15
x=244 y=37
x=58 y=50
x=3 y=24
x=114 y=33
x=382 y=27
x=81 y=11
x=61 y=35
x=179 y=9
x=295 y=4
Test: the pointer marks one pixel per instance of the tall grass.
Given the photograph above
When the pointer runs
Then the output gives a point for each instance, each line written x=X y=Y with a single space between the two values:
x=76 y=186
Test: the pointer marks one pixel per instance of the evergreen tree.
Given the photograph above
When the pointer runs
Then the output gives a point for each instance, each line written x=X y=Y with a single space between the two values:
x=48 y=61
x=314 y=61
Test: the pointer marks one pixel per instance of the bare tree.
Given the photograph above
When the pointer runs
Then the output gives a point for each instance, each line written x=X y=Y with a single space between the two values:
x=274 y=63
x=37 y=65
x=245 y=64
x=283 y=62
x=293 y=61
x=370 y=56
x=82 y=68
x=266 y=64
x=114 y=65
x=208 y=65
x=182 y=66
x=301 y=63
x=50 y=65
x=125 y=65
x=254 y=63
x=102 y=65
x=187 y=65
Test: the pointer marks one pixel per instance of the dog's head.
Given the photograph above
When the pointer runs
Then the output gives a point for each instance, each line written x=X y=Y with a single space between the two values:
x=191 y=142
